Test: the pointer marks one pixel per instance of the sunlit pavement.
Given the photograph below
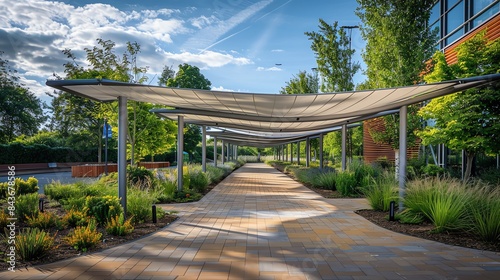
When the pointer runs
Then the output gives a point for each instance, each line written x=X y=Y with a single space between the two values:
x=260 y=224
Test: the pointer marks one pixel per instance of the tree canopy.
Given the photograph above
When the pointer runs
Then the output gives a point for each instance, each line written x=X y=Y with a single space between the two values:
x=21 y=112
x=302 y=83
x=468 y=120
x=333 y=56
x=188 y=76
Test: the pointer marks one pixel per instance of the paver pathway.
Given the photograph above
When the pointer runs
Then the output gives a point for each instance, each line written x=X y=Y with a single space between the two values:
x=260 y=224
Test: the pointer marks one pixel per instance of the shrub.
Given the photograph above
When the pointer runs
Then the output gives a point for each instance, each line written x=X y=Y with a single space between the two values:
x=433 y=170
x=103 y=207
x=346 y=183
x=139 y=206
x=381 y=192
x=118 y=226
x=140 y=176
x=58 y=191
x=33 y=244
x=75 y=218
x=21 y=186
x=326 y=180
x=3 y=219
x=84 y=238
x=198 y=181
x=441 y=200
x=77 y=203
x=485 y=212
x=164 y=192
x=215 y=174
x=26 y=206
x=45 y=221
x=363 y=173
x=408 y=216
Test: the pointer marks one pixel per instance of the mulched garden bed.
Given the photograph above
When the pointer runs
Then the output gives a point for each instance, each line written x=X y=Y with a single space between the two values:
x=63 y=251
x=424 y=230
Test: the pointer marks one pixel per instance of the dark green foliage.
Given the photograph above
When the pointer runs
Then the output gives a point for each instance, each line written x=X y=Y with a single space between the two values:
x=103 y=208
x=140 y=176
x=32 y=244
x=26 y=206
x=346 y=184
x=198 y=181
x=433 y=170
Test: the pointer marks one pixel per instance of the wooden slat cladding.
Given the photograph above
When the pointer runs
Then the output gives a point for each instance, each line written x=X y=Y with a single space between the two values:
x=373 y=151
x=492 y=32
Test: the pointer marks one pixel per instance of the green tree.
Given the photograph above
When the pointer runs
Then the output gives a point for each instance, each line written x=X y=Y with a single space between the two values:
x=302 y=83
x=167 y=73
x=397 y=45
x=21 y=112
x=467 y=120
x=75 y=115
x=188 y=76
x=331 y=45
x=333 y=56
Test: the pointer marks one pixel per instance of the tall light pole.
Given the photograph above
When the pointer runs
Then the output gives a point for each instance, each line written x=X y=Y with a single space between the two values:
x=350 y=28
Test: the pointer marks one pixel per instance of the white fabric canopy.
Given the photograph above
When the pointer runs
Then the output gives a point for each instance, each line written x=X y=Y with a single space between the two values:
x=269 y=113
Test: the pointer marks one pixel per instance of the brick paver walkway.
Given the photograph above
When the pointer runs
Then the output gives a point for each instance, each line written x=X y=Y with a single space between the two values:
x=260 y=224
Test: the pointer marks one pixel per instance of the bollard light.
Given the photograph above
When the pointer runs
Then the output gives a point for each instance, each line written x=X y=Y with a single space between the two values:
x=391 y=210
x=153 y=209
x=40 y=205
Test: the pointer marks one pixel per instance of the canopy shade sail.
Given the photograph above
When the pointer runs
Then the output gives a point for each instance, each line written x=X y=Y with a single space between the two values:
x=269 y=112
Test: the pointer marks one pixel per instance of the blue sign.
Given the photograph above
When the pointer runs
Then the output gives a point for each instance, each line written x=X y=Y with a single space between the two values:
x=109 y=134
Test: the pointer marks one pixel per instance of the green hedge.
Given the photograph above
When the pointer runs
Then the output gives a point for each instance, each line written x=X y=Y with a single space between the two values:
x=40 y=153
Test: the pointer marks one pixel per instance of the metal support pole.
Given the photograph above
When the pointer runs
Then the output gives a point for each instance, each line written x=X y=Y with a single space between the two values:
x=291 y=152
x=180 y=149
x=215 y=151
x=403 y=115
x=321 y=151
x=308 y=151
x=122 y=152
x=236 y=152
x=106 y=147
x=298 y=152
x=222 y=153
x=344 y=152
x=204 y=148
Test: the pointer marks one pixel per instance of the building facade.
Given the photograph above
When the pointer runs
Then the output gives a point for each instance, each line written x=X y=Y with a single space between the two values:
x=455 y=21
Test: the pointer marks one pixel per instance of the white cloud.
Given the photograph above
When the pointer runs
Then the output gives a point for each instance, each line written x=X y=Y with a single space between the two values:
x=206 y=59
x=274 y=68
x=277 y=50
x=221 y=88
x=203 y=21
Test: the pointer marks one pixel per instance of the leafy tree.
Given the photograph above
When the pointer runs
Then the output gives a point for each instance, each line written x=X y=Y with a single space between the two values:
x=188 y=76
x=167 y=73
x=21 y=112
x=302 y=83
x=333 y=56
x=467 y=120
x=75 y=115
x=398 y=44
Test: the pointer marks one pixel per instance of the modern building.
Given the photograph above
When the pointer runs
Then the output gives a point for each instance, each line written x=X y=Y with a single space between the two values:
x=456 y=22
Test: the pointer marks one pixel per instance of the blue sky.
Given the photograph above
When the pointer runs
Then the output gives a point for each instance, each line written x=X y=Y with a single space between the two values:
x=240 y=45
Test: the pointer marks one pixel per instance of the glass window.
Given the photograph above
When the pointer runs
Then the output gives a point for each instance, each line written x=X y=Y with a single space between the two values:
x=434 y=27
x=455 y=17
x=486 y=15
x=450 y=3
x=450 y=39
x=434 y=13
x=478 y=5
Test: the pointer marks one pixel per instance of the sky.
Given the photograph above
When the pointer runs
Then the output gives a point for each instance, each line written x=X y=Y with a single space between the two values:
x=239 y=45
